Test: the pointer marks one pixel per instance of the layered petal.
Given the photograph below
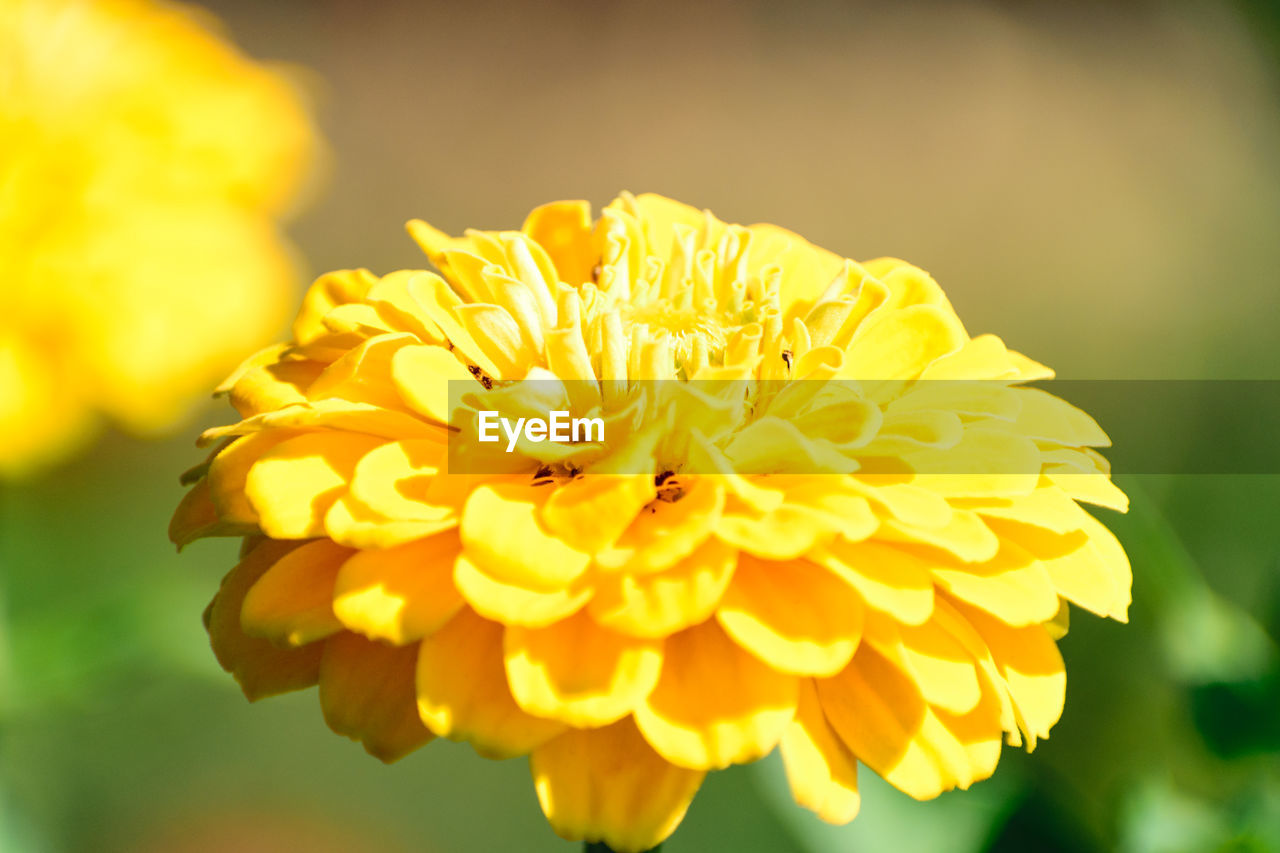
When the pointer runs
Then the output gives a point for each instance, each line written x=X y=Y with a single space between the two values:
x=292 y=603
x=822 y=772
x=504 y=536
x=579 y=673
x=261 y=668
x=667 y=531
x=655 y=605
x=1031 y=666
x=294 y=483
x=715 y=704
x=1013 y=586
x=891 y=580
x=796 y=617
x=367 y=694
x=608 y=785
x=463 y=695
x=512 y=604
x=881 y=716
x=399 y=594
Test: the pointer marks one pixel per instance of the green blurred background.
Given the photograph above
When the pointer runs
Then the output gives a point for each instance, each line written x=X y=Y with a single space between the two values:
x=1098 y=183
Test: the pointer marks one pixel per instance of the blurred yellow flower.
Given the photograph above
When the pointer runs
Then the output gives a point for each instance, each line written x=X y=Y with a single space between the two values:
x=670 y=600
x=143 y=162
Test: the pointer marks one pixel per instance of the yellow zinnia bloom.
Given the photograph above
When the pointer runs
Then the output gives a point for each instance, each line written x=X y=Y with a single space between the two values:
x=673 y=601
x=143 y=162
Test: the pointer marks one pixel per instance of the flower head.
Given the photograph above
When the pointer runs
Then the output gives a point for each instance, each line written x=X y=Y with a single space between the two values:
x=723 y=575
x=142 y=164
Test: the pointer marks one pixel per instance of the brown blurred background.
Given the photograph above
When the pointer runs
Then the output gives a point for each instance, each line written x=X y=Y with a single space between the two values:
x=1097 y=182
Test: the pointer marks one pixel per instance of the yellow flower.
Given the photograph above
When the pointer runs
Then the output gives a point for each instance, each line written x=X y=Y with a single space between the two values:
x=143 y=162
x=684 y=603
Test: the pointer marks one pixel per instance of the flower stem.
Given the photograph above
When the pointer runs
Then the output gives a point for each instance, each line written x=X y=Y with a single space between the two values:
x=601 y=847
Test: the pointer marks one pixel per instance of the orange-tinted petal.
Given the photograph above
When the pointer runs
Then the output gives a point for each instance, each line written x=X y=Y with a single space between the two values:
x=889 y=579
x=609 y=785
x=715 y=704
x=512 y=604
x=261 y=668
x=463 y=694
x=578 y=672
x=293 y=484
x=367 y=694
x=292 y=603
x=1030 y=664
x=563 y=229
x=879 y=714
x=399 y=594
x=795 y=616
x=662 y=603
x=504 y=537
x=821 y=770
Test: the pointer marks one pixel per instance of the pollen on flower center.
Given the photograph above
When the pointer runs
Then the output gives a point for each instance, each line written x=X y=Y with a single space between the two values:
x=678 y=321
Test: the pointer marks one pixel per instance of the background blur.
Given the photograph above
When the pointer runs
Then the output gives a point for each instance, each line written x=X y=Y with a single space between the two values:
x=1098 y=183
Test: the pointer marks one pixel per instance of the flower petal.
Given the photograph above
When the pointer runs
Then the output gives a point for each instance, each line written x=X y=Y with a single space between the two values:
x=341 y=287
x=398 y=308
x=267 y=387
x=1091 y=488
x=668 y=531
x=423 y=376
x=512 y=604
x=563 y=229
x=964 y=535
x=367 y=694
x=1013 y=586
x=903 y=501
x=590 y=513
x=879 y=714
x=796 y=617
x=662 y=603
x=463 y=695
x=1115 y=561
x=399 y=594
x=941 y=666
x=978 y=733
x=900 y=344
x=1048 y=507
x=292 y=603
x=364 y=374
x=440 y=303
x=261 y=668
x=810 y=516
x=332 y=414
x=608 y=785
x=1048 y=418
x=715 y=704
x=822 y=772
x=1031 y=665
x=578 y=672
x=293 y=484
x=1074 y=565
x=349 y=522
x=197 y=517
x=396 y=481
x=503 y=536
x=889 y=579
x=230 y=468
